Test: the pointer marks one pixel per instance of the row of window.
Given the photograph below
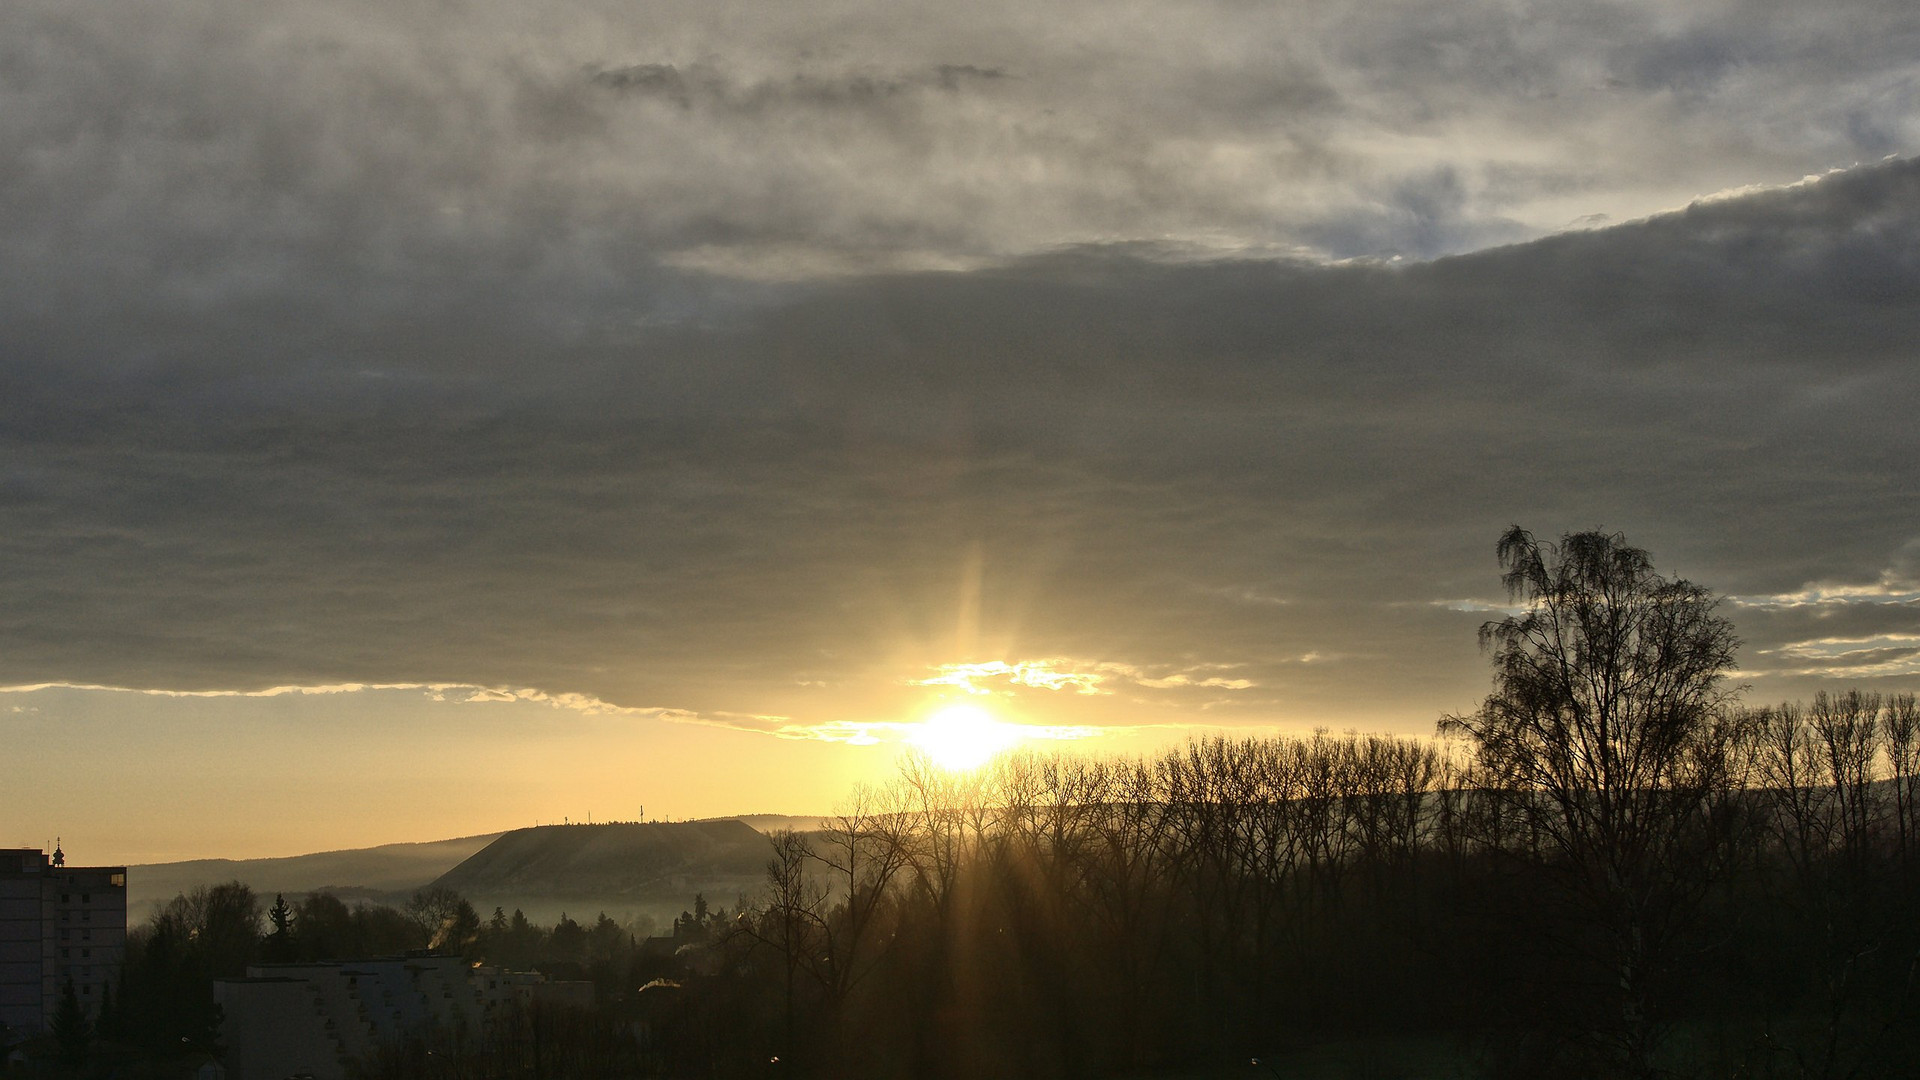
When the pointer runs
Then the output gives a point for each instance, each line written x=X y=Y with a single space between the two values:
x=118 y=880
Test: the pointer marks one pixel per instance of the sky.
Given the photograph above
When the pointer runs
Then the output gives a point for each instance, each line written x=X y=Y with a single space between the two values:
x=425 y=418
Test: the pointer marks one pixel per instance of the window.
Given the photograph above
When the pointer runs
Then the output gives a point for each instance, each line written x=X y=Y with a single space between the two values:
x=64 y=953
x=64 y=934
x=86 y=954
x=86 y=916
x=86 y=898
x=118 y=881
x=87 y=989
x=86 y=935
x=66 y=898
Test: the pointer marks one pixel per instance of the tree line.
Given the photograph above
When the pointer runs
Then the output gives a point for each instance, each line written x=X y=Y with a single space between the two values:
x=163 y=1009
x=1611 y=867
x=1236 y=899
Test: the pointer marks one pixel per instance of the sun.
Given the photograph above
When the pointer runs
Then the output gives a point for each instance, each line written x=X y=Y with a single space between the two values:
x=963 y=737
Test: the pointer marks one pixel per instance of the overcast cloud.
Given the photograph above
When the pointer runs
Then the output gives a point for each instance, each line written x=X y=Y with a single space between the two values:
x=701 y=357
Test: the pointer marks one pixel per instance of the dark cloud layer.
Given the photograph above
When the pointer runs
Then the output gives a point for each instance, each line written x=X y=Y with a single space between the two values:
x=252 y=147
x=695 y=355
x=491 y=459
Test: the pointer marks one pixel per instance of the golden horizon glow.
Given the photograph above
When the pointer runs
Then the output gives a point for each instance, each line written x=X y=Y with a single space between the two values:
x=964 y=737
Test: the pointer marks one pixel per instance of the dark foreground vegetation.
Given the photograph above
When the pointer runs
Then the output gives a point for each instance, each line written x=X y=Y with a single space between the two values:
x=1609 y=869
x=164 y=1022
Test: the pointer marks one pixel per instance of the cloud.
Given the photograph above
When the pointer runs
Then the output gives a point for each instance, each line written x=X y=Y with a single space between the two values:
x=1041 y=674
x=1895 y=584
x=1886 y=591
x=443 y=692
x=1850 y=659
x=906 y=733
x=1084 y=677
x=1855 y=626
x=1478 y=607
x=853 y=733
x=253 y=147
x=678 y=361
x=1215 y=682
x=709 y=87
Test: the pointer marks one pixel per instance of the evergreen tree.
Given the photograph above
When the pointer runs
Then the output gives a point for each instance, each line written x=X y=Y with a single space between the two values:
x=280 y=915
x=606 y=938
x=568 y=941
x=279 y=947
x=462 y=929
x=71 y=1032
x=518 y=947
x=106 y=1024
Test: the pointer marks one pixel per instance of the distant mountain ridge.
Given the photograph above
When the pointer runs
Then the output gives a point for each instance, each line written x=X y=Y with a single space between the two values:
x=653 y=867
x=772 y=823
x=372 y=872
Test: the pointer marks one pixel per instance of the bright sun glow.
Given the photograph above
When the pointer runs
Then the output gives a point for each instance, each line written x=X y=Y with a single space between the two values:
x=962 y=737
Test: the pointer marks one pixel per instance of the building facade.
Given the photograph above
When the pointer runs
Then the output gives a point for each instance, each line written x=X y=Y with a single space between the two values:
x=317 y=1019
x=58 y=924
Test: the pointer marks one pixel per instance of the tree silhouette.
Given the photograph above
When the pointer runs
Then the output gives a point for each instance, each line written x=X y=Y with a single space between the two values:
x=71 y=1032
x=567 y=942
x=1607 y=732
x=278 y=948
x=445 y=918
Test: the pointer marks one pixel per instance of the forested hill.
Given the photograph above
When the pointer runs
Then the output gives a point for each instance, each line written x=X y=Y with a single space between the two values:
x=628 y=864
